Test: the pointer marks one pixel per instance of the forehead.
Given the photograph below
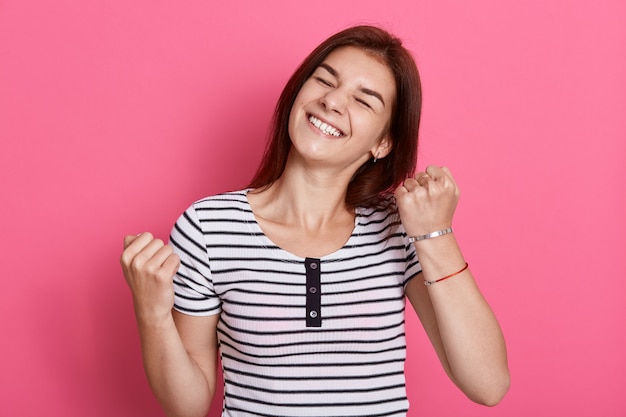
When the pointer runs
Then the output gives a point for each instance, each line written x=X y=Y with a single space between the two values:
x=363 y=67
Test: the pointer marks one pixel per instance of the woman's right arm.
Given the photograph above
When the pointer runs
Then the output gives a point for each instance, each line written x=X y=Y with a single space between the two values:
x=179 y=351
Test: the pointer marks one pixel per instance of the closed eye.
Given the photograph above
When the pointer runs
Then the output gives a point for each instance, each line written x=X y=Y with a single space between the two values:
x=363 y=102
x=323 y=81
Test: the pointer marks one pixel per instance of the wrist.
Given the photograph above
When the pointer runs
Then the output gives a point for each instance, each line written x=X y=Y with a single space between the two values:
x=153 y=318
x=431 y=235
x=439 y=250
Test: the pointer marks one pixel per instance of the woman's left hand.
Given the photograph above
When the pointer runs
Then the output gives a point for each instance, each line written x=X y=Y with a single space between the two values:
x=427 y=201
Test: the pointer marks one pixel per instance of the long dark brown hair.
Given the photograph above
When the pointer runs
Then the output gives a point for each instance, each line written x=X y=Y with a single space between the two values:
x=374 y=181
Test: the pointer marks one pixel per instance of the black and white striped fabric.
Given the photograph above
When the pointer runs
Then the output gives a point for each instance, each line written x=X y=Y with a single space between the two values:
x=283 y=355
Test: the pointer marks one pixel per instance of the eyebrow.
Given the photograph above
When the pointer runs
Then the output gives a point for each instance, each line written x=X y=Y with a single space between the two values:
x=364 y=90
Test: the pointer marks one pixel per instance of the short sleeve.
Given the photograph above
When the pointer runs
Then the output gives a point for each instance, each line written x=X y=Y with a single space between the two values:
x=193 y=285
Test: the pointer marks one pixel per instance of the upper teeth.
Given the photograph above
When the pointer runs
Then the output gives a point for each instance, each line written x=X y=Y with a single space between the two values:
x=328 y=129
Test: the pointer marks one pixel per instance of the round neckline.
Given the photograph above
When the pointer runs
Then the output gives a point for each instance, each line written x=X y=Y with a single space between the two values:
x=260 y=234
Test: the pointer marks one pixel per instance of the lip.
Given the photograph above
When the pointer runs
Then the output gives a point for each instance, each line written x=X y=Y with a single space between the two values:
x=323 y=120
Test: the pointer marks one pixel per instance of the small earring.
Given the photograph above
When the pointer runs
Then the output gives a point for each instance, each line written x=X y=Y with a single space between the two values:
x=376 y=157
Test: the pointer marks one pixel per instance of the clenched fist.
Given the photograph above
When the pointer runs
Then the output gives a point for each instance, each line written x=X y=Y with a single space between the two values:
x=149 y=266
x=427 y=201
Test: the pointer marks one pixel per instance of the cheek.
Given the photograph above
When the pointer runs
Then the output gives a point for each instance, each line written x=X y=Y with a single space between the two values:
x=297 y=110
x=293 y=115
x=375 y=128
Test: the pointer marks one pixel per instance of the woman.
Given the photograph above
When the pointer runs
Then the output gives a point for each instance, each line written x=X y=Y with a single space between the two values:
x=301 y=278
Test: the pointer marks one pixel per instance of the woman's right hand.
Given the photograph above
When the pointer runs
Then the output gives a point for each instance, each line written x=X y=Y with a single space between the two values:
x=149 y=266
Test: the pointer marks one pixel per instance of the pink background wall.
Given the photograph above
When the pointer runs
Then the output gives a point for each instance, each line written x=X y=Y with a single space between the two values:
x=115 y=115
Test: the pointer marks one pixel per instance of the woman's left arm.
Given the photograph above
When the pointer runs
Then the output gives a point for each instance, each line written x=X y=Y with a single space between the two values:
x=455 y=315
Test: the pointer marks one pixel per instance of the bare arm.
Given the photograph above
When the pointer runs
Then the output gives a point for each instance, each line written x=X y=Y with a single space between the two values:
x=460 y=323
x=179 y=352
x=455 y=315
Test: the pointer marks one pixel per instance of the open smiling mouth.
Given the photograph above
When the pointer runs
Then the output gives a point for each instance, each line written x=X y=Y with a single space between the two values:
x=325 y=128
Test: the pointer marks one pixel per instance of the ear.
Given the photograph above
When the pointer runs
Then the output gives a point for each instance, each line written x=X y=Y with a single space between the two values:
x=383 y=147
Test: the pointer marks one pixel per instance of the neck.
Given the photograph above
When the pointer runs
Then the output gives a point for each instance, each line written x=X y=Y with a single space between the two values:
x=310 y=199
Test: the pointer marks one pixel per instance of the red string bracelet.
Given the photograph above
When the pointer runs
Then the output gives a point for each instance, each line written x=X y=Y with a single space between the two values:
x=428 y=283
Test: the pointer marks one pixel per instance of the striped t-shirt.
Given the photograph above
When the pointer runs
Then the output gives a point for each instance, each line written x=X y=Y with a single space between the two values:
x=299 y=336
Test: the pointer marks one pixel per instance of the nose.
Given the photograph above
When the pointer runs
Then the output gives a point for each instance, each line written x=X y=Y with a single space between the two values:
x=334 y=100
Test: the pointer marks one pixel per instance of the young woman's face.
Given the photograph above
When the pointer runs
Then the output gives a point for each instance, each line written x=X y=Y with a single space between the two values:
x=341 y=114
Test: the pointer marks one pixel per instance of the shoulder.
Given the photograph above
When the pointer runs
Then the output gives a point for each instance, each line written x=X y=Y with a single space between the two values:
x=227 y=214
x=385 y=214
x=227 y=206
x=383 y=220
x=231 y=199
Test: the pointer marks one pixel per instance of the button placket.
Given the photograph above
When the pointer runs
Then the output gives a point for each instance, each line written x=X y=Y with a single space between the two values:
x=313 y=295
